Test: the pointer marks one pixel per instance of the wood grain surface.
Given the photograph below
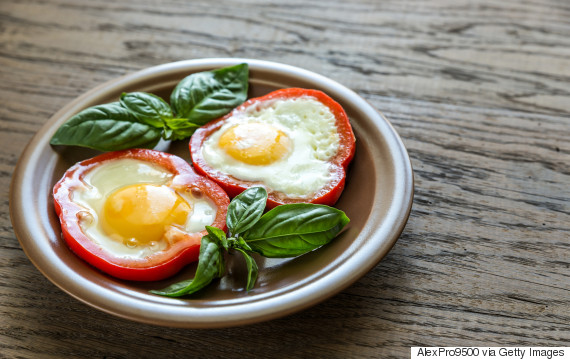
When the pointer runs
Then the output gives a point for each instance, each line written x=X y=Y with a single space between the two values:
x=479 y=91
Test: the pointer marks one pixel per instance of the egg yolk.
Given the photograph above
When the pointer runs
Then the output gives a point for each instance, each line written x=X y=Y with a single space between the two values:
x=255 y=143
x=140 y=214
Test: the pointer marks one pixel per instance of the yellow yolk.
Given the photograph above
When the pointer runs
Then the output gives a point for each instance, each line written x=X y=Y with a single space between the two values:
x=141 y=213
x=255 y=143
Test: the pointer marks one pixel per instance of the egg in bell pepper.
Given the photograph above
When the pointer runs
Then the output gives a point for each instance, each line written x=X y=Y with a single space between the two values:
x=137 y=214
x=297 y=143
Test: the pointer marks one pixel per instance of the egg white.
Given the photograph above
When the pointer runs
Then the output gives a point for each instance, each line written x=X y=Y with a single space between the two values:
x=104 y=179
x=310 y=126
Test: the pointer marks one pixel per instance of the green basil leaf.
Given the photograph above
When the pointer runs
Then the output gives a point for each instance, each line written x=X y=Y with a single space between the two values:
x=167 y=133
x=147 y=108
x=294 y=229
x=245 y=209
x=108 y=127
x=218 y=235
x=243 y=244
x=252 y=269
x=179 y=128
x=211 y=265
x=204 y=96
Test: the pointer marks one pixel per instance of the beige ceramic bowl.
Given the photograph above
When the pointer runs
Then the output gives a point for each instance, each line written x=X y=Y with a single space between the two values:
x=377 y=199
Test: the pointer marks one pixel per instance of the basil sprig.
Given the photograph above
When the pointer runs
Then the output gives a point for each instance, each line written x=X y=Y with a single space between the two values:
x=141 y=119
x=288 y=230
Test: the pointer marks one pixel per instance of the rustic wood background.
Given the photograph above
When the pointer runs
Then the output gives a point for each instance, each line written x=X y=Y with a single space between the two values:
x=479 y=92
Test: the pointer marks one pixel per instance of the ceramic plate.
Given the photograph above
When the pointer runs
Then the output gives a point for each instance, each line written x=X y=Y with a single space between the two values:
x=377 y=199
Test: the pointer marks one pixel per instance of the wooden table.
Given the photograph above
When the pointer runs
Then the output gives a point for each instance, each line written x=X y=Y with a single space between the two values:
x=479 y=91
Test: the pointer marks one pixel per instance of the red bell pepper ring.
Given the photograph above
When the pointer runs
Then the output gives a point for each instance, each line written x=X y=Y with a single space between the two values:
x=156 y=266
x=328 y=195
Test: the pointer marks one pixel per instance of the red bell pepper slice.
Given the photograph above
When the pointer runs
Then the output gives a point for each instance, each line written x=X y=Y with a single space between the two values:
x=234 y=186
x=156 y=266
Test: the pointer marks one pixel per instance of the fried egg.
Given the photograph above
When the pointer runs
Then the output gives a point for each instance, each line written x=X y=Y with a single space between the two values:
x=283 y=143
x=132 y=209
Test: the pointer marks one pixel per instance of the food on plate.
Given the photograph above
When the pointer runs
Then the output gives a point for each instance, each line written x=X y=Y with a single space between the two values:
x=297 y=143
x=137 y=214
x=140 y=214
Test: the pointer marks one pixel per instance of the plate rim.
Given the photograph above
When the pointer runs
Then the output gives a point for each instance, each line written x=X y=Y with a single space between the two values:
x=266 y=307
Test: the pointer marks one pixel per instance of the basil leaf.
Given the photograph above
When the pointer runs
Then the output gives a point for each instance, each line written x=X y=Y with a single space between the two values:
x=243 y=244
x=167 y=133
x=147 y=108
x=245 y=209
x=108 y=127
x=204 y=96
x=210 y=266
x=179 y=128
x=218 y=235
x=294 y=229
x=252 y=269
